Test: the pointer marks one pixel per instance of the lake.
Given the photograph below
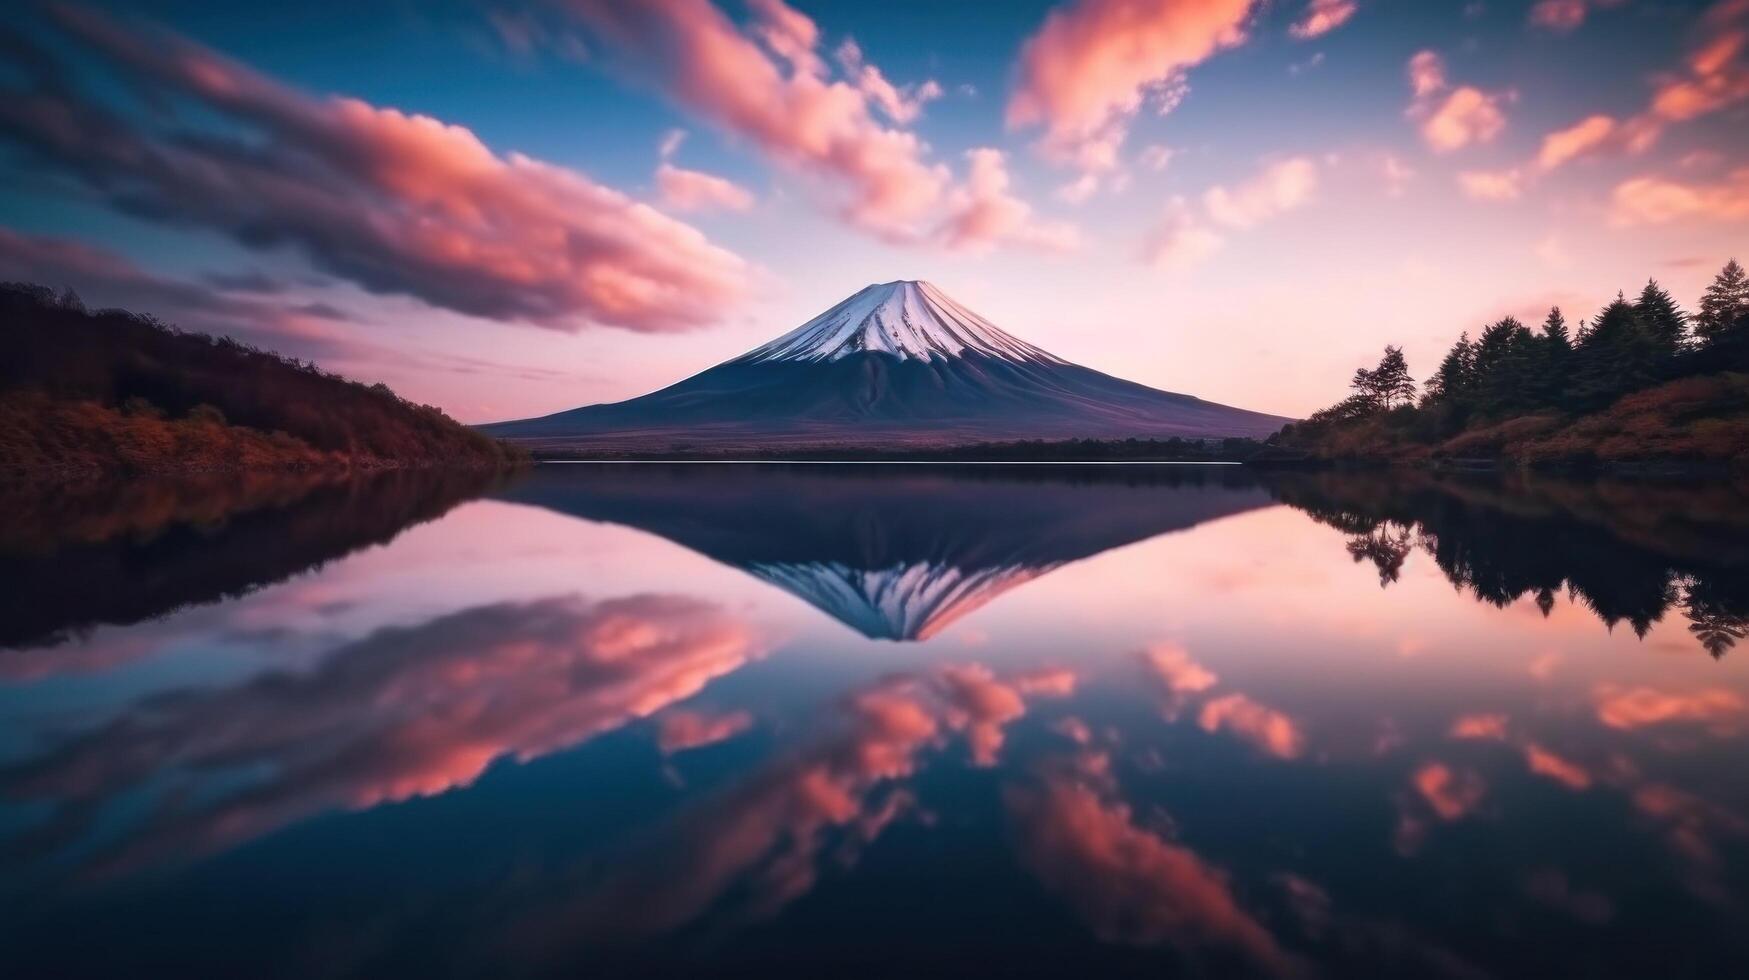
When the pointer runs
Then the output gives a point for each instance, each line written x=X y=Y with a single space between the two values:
x=726 y=719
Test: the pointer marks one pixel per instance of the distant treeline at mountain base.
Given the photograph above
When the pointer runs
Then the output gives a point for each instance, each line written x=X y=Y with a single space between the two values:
x=1170 y=450
x=1643 y=384
x=92 y=393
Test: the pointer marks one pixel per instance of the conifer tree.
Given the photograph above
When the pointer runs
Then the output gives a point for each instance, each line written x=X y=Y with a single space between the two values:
x=1555 y=363
x=1454 y=381
x=1617 y=356
x=1724 y=304
x=1392 y=380
x=1665 y=322
x=1504 y=367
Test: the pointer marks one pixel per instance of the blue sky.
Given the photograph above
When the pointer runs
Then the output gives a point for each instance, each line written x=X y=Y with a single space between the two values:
x=1239 y=200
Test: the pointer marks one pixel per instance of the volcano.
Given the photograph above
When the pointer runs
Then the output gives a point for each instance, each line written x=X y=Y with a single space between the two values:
x=897 y=364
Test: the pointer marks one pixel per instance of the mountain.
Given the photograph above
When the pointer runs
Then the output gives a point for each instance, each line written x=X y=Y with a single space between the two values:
x=896 y=364
x=895 y=553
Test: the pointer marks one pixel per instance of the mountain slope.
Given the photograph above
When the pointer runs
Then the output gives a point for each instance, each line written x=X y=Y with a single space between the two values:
x=897 y=363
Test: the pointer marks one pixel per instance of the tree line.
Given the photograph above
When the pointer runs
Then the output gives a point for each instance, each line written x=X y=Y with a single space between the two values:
x=1511 y=369
x=119 y=390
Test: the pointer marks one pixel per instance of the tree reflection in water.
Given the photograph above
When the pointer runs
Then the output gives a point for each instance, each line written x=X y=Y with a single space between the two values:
x=1626 y=550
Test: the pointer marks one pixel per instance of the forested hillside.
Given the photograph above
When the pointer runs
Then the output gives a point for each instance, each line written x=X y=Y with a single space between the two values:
x=1642 y=382
x=84 y=393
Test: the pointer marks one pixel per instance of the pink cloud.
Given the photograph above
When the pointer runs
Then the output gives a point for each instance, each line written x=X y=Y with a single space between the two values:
x=1465 y=115
x=1629 y=708
x=1264 y=727
x=1186 y=235
x=395 y=202
x=1452 y=794
x=1576 y=140
x=1426 y=73
x=1715 y=73
x=1488 y=726
x=1321 y=17
x=405 y=712
x=1491 y=185
x=901 y=105
x=1180 y=238
x=1659 y=200
x=1468 y=115
x=1091 y=66
x=748 y=852
x=1564 y=771
x=1175 y=668
x=1560 y=16
x=769 y=86
x=983 y=213
x=695 y=190
x=681 y=729
x=1128 y=884
x=1279 y=188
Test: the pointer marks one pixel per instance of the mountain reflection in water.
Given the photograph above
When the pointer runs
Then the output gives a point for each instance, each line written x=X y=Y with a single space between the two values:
x=1141 y=721
x=901 y=555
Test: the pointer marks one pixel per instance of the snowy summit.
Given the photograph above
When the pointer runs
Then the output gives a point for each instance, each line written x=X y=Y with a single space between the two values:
x=909 y=318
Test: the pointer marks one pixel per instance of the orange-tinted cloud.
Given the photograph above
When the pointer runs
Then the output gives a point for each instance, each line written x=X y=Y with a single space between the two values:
x=1452 y=794
x=681 y=729
x=763 y=840
x=983 y=213
x=767 y=85
x=402 y=713
x=1264 y=727
x=395 y=202
x=1659 y=200
x=1630 y=708
x=1715 y=74
x=1321 y=17
x=1564 y=771
x=695 y=190
x=1468 y=115
x=1489 y=726
x=1130 y=885
x=1580 y=138
x=1452 y=118
x=1093 y=63
x=1174 y=666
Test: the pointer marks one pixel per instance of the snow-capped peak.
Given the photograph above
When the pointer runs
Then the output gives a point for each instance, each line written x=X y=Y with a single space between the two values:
x=908 y=319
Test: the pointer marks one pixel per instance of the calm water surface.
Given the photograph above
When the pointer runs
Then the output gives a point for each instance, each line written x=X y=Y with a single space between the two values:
x=659 y=720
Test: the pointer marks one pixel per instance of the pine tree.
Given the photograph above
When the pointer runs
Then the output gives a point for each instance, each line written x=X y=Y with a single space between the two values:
x=1724 y=304
x=1555 y=363
x=1454 y=382
x=1663 y=319
x=1617 y=356
x=1392 y=381
x=1504 y=363
x=1366 y=392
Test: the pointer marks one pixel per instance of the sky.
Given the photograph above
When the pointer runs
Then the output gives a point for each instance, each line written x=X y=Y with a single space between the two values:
x=513 y=207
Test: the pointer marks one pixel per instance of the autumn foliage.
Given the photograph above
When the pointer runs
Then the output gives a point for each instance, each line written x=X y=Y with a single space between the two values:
x=85 y=393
